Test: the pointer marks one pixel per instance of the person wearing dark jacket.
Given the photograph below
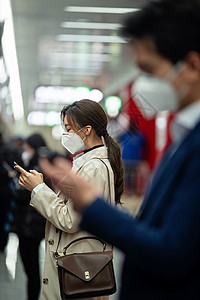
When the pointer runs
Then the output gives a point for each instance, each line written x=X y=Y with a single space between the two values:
x=7 y=157
x=28 y=224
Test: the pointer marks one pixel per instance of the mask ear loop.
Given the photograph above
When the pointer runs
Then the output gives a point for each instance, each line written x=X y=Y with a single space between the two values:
x=79 y=131
x=103 y=140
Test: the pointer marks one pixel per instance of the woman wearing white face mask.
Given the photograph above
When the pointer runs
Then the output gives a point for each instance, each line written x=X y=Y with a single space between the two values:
x=100 y=162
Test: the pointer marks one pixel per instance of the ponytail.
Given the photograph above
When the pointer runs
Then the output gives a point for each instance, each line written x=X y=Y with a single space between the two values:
x=114 y=156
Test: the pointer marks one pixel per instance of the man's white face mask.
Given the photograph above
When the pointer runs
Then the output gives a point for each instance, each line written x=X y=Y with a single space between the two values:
x=153 y=94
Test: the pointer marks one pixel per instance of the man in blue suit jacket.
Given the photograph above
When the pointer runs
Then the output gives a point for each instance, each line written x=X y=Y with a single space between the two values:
x=161 y=245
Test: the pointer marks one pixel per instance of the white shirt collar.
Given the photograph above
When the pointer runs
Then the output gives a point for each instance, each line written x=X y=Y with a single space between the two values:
x=185 y=121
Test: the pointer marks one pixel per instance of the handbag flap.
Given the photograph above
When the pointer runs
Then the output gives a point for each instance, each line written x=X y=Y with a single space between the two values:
x=85 y=265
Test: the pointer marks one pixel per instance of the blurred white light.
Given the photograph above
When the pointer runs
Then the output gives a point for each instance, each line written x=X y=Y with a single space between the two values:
x=81 y=93
x=36 y=118
x=95 y=95
x=57 y=132
x=4 y=10
x=161 y=130
x=113 y=105
x=66 y=95
x=42 y=118
x=89 y=38
x=54 y=94
x=4 y=92
x=3 y=74
x=52 y=118
x=161 y=122
x=90 y=25
x=102 y=10
x=11 y=254
x=9 y=50
x=68 y=59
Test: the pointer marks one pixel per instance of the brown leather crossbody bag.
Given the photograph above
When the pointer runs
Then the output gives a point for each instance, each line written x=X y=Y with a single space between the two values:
x=85 y=275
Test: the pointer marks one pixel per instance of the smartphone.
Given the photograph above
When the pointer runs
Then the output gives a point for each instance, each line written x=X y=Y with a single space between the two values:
x=16 y=164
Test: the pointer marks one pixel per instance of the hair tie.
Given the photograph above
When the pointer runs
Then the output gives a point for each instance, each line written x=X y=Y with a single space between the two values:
x=104 y=132
x=103 y=140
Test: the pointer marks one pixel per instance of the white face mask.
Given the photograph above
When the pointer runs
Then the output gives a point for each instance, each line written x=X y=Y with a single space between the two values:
x=26 y=157
x=73 y=142
x=153 y=95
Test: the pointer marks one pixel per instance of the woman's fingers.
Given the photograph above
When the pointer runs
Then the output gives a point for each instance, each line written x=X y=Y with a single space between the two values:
x=34 y=172
x=22 y=180
x=20 y=169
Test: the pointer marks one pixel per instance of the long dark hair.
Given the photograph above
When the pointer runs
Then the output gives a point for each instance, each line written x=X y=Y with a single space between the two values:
x=88 y=112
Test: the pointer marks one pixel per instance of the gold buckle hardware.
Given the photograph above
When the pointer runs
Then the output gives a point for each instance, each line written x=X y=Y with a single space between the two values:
x=87 y=275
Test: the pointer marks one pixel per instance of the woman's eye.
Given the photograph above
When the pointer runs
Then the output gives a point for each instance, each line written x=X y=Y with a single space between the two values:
x=68 y=130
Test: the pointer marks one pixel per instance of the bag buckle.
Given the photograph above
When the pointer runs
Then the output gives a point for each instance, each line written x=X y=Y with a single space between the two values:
x=87 y=275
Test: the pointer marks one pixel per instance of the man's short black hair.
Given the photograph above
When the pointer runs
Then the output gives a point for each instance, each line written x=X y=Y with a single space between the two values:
x=173 y=26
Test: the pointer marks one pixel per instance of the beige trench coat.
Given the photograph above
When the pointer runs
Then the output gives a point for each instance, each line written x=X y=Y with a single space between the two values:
x=60 y=215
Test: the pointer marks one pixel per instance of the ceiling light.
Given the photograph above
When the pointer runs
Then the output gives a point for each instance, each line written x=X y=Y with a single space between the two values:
x=4 y=10
x=102 y=10
x=54 y=94
x=90 y=25
x=43 y=118
x=69 y=57
x=89 y=38
x=9 y=51
x=66 y=95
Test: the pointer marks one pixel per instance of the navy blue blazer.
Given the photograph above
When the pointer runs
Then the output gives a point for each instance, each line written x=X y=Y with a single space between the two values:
x=162 y=246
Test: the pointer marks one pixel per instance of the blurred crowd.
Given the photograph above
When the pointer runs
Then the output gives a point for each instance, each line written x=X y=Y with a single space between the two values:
x=16 y=215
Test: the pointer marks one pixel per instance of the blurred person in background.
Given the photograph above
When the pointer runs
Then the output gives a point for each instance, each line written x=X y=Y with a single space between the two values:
x=17 y=142
x=162 y=244
x=7 y=157
x=28 y=224
x=132 y=145
x=85 y=124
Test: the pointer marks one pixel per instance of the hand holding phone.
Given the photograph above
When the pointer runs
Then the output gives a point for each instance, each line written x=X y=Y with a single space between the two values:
x=28 y=180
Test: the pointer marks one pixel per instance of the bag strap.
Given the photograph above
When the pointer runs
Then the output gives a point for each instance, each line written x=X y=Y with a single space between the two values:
x=84 y=238
x=109 y=183
x=56 y=252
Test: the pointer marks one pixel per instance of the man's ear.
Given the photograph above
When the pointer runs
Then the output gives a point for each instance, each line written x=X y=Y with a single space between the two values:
x=88 y=130
x=193 y=67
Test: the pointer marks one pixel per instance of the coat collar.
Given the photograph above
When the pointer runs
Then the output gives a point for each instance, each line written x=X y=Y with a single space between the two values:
x=81 y=159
